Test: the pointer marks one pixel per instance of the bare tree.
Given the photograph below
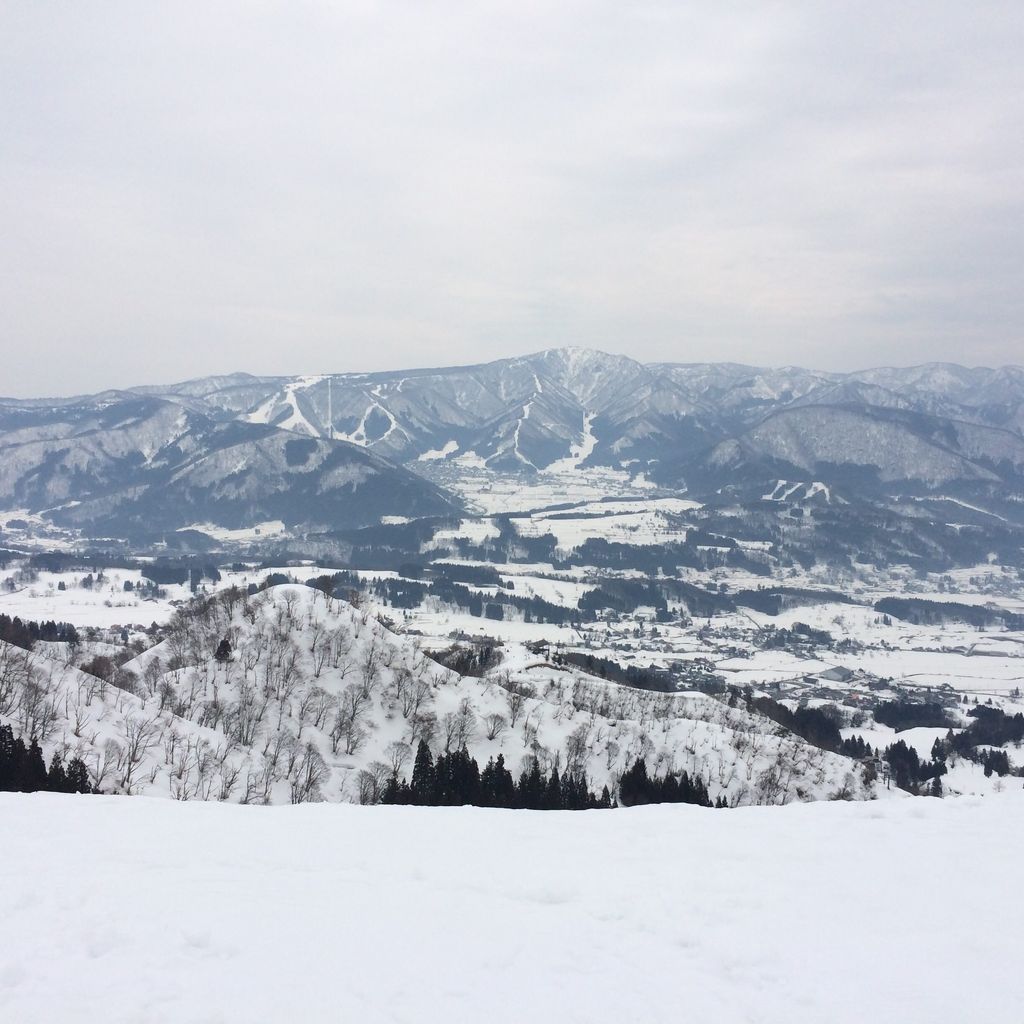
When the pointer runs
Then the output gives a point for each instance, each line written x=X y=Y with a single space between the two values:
x=309 y=772
x=348 y=729
x=125 y=679
x=14 y=673
x=78 y=715
x=282 y=673
x=466 y=723
x=140 y=733
x=577 y=751
x=422 y=727
x=252 y=787
x=398 y=755
x=319 y=647
x=306 y=706
x=517 y=694
x=415 y=697
x=340 y=640
x=251 y=652
x=369 y=668
x=449 y=727
x=401 y=680
x=243 y=719
x=276 y=748
x=322 y=706
x=611 y=752
x=38 y=708
x=288 y=609
x=104 y=762
x=496 y=725
x=372 y=781
x=167 y=693
x=151 y=675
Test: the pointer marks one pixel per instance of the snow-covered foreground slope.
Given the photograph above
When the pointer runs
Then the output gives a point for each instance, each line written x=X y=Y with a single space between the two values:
x=158 y=911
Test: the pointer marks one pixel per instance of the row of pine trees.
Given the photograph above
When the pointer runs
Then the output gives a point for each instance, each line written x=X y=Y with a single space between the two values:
x=455 y=779
x=637 y=787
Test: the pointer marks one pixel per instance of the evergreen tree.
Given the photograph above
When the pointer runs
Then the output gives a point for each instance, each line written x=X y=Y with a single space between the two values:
x=504 y=784
x=442 y=795
x=553 y=792
x=33 y=776
x=423 y=777
x=465 y=775
x=531 y=788
x=10 y=766
x=56 y=777
x=635 y=786
x=78 y=777
x=396 y=792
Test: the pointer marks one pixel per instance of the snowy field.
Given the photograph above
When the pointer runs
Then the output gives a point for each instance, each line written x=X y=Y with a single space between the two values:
x=108 y=603
x=101 y=605
x=138 y=910
x=652 y=522
x=491 y=492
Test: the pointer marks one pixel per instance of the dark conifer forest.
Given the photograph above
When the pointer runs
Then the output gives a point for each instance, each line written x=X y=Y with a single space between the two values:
x=23 y=770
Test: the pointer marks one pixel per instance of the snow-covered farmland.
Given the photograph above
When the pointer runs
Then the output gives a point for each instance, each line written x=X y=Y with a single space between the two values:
x=158 y=912
x=264 y=531
x=103 y=604
x=106 y=602
x=655 y=521
x=975 y=674
x=493 y=492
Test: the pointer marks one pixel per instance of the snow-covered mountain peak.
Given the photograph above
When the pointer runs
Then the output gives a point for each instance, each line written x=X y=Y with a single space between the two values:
x=586 y=373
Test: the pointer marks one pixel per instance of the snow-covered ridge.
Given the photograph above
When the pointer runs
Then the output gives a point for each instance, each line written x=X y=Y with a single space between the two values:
x=648 y=411
x=319 y=700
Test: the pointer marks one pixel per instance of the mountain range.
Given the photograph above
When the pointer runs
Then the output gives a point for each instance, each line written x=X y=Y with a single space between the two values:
x=341 y=450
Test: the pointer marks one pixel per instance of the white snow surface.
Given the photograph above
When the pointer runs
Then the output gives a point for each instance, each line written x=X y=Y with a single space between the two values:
x=102 y=605
x=579 y=451
x=655 y=521
x=450 y=448
x=157 y=911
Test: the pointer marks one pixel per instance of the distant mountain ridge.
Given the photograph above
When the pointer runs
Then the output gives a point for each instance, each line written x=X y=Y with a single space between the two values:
x=222 y=448
x=529 y=412
x=134 y=465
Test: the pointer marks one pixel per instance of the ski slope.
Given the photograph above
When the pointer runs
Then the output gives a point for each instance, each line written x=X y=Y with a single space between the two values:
x=157 y=911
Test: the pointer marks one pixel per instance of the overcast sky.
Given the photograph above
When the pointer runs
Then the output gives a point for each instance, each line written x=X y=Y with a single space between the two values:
x=306 y=187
